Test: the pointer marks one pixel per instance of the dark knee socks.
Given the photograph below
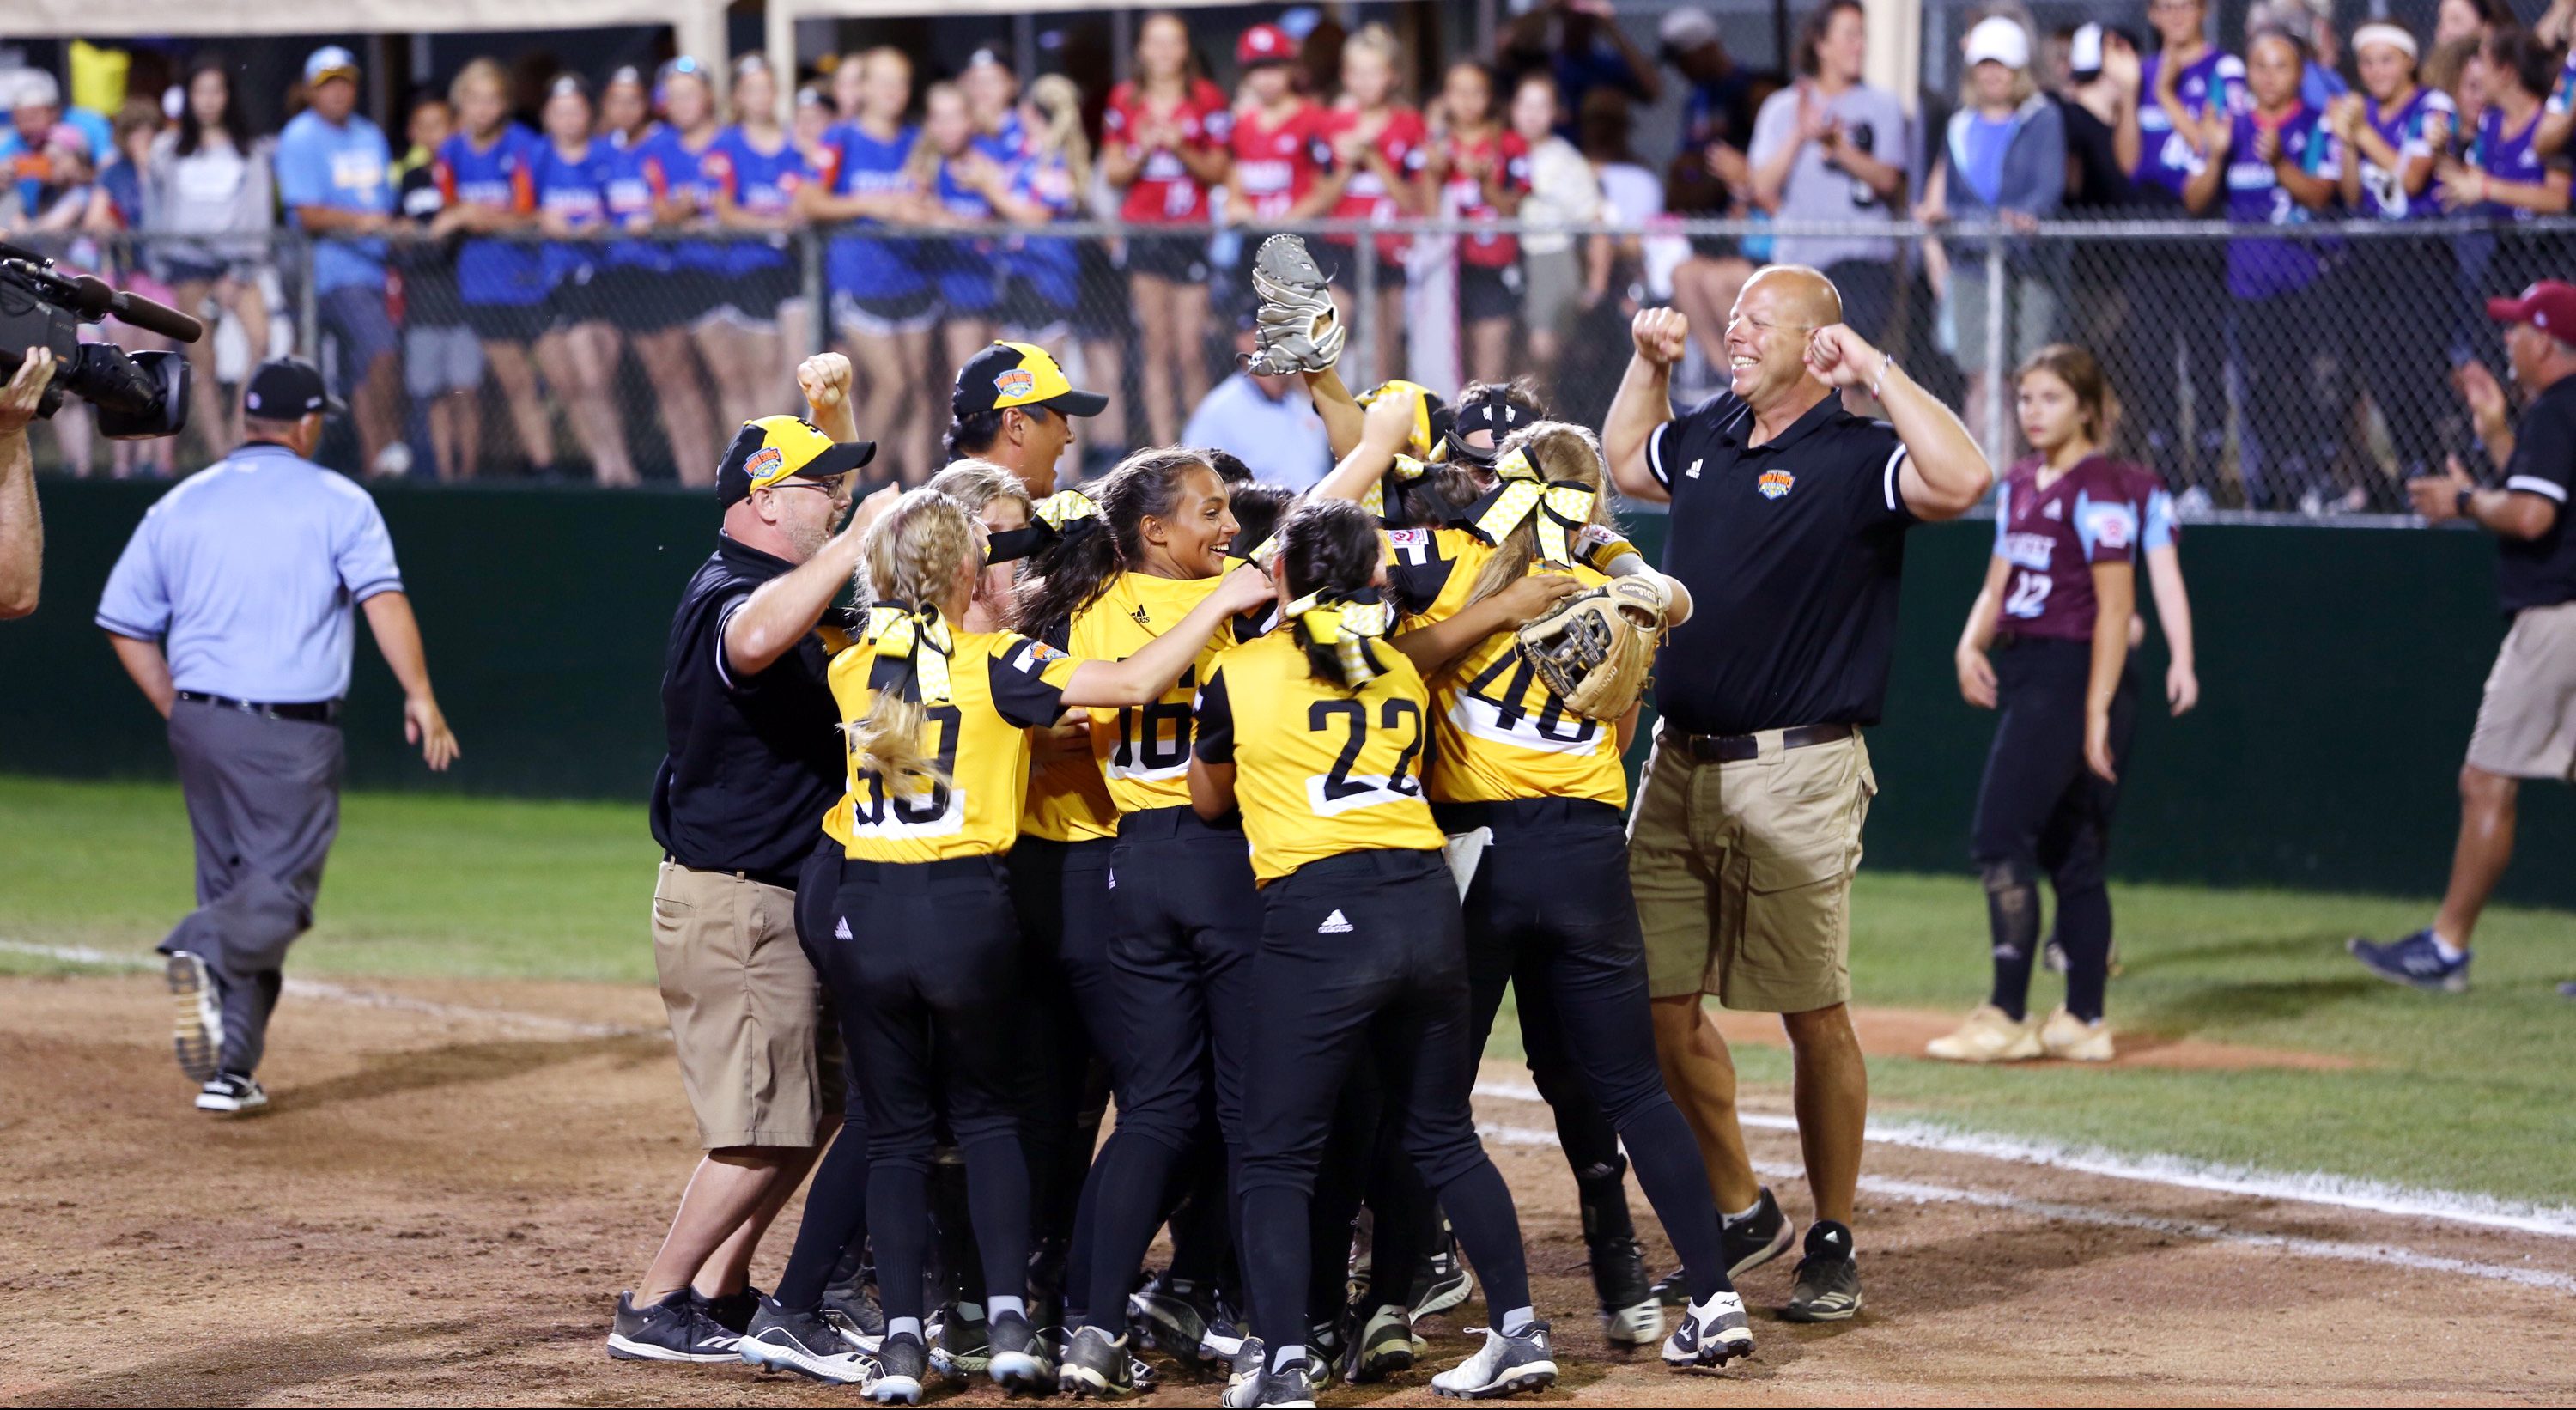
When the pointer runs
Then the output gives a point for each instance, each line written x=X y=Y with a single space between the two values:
x=836 y=1218
x=2084 y=930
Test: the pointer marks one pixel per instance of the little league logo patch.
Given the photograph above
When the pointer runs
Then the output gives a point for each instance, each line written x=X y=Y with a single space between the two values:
x=1775 y=483
x=1018 y=382
x=765 y=460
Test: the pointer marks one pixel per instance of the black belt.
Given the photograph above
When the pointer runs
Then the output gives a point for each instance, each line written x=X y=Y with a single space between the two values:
x=1736 y=748
x=1178 y=820
x=783 y=880
x=1539 y=813
x=319 y=712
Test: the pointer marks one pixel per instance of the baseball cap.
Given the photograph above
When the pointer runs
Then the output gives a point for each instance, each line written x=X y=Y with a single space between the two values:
x=1999 y=40
x=1686 y=29
x=329 y=62
x=776 y=448
x=2549 y=306
x=285 y=389
x=1019 y=374
x=1264 y=44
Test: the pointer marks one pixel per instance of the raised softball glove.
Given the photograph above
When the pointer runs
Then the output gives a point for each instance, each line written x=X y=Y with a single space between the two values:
x=1296 y=328
x=1595 y=649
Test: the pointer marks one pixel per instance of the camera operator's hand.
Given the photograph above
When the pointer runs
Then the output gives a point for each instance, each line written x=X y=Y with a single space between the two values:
x=18 y=400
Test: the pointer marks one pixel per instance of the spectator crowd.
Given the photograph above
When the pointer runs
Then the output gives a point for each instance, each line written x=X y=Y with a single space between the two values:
x=613 y=263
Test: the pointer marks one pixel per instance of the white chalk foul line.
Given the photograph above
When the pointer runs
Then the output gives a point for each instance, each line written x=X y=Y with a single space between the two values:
x=364 y=998
x=1917 y=1192
x=2446 y=1206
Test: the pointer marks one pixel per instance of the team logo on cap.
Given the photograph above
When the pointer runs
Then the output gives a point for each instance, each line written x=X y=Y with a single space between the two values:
x=1774 y=483
x=764 y=461
x=1018 y=382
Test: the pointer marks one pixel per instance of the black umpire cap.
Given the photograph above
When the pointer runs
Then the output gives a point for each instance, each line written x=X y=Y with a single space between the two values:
x=285 y=389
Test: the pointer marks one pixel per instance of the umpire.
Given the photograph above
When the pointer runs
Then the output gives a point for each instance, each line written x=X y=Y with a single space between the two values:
x=230 y=608
x=1788 y=523
x=754 y=763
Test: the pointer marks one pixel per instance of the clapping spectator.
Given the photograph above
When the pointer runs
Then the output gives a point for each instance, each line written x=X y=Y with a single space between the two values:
x=1561 y=274
x=2183 y=86
x=2098 y=107
x=753 y=172
x=2311 y=22
x=578 y=351
x=2507 y=177
x=1163 y=143
x=335 y=175
x=2002 y=160
x=1276 y=134
x=2393 y=133
x=2455 y=20
x=1267 y=421
x=1376 y=148
x=442 y=362
x=207 y=179
x=51 y=160
x=1481 y=169
x=487 y=169
x=1831 y=147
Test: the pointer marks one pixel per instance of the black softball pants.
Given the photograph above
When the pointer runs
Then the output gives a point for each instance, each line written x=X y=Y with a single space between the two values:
x=1363 y=955
x=1060 y=892
x=2040 y=809
x=932 y=975
x=836 y=1204
x=1550 y=913
x=1187 y=924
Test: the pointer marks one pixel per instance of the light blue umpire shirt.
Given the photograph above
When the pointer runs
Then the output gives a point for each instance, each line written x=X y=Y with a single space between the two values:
x=247 y=572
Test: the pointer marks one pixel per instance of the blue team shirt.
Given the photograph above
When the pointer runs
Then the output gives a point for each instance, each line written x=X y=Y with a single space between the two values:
x=2259 y=269
x=340 y=167
x=2508 y=156
x=634 y=195
x=503 y=175
x=573 y=189
x=2166 y=161
x=869 y=268
x=763 y=183
x=1047 y=264
x=683 y=177
x=2383 y=192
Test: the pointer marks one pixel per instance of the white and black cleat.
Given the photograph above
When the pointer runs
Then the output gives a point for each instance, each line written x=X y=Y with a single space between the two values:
x=675 y=1329
x=805 y=1343
x=197 y=1037
x=1711 y=1333
x=232 y=1094
x=1508 y=1364
x=902 y=1364
x=1630 y=1327
x=1018 y=1360
x=1385 y=1347
x=1096 y=1366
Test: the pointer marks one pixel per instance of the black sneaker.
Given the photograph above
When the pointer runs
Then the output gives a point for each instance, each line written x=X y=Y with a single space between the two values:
x=903 y=1363
x=1015 y=1358
x=1752 y=1241
x=733 y=1311
x=1291 y=1389
x=851 y=1304
x=674 y=1329
x=1828 y=1287
x=961 y=1346
x=778 y=1339
x=1631 y=1314
x=1508 y=1364
x=232 y=1094
x=1441 y=1280
x=1243 y=1377
x=1385 y=1346
x=1095 y=1366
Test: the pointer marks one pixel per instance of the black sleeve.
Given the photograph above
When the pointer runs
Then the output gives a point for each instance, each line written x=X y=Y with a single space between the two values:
x=1215 y=721
x=2544 y=453
x=1415 y=570
x=1877 y=499
x=1028 y=679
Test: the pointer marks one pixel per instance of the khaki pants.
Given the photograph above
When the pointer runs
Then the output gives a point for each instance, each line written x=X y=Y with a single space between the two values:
x=2527 y=721
x=746 y=1009
x=1743 y=873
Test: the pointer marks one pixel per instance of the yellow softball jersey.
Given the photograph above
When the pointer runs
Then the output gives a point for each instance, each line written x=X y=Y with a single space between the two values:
x=1000 y=686
x=1319 y=770
x=1498 y=733
x=1143 y=751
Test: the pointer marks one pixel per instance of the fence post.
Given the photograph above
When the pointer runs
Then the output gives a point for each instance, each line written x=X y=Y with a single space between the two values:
x=809 y=249
x=1998 y=357
x=1364 y=326
x=308 y=307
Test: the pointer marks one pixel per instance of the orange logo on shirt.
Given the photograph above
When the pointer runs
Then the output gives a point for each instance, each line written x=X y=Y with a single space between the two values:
x=1775 y=483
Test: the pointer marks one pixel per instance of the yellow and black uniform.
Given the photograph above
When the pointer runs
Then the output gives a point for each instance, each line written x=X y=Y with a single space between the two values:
x=1550 y=914
x=930 y=961
x=1361 y=953
x=1188 y=921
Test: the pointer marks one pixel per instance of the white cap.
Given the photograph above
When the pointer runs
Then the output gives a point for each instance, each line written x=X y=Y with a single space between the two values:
x=2000 y=40
x=33 y=88
x=2084 y=52
x=330 y=61
x=1686 y=29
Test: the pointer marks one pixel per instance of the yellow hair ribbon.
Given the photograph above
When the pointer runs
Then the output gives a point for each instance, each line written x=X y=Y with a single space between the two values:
x=1062 y=508
x=1347 y=627
x=1562 y=509
x=917 y=634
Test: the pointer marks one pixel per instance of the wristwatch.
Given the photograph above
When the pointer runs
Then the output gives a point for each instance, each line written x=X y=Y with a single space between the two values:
x=2460 y=501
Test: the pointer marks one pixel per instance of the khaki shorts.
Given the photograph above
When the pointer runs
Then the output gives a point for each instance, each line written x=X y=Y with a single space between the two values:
x=2527 y=722
x=746 y=1009
x=1743 y=873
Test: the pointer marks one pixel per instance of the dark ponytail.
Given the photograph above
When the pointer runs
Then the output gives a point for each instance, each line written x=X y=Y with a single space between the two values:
x=1077 y=569
x=1329 y=552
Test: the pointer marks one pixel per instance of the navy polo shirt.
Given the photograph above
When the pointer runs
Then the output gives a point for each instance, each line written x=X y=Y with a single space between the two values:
x=1792 y=551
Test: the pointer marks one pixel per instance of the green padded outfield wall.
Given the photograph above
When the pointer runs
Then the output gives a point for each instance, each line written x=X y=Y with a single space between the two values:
x=2339 y=670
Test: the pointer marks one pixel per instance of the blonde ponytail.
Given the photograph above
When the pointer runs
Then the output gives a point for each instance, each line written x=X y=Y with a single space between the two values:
x=1552 y=473
x=908 y=566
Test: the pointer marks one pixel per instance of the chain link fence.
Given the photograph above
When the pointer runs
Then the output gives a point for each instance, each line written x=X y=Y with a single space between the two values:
x=2282 y=370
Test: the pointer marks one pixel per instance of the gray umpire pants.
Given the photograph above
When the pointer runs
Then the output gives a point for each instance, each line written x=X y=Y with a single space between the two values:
x=264 y=802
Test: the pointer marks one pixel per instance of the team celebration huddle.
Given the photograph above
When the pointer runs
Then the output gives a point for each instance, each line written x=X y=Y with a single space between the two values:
x=996 y=805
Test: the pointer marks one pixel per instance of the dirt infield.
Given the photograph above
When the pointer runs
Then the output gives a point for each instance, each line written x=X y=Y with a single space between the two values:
x=456 y=1178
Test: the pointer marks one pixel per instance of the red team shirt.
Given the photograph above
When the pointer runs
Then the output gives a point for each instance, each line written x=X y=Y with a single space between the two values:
x=1465 y=191
x=1405 y=142
x=1276 y=163
x=1164 y=191
x=2094 y=513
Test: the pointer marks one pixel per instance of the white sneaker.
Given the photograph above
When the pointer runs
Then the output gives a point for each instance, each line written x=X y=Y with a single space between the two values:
x=230 y=1095
x=1988 y=1036
x=198 y=1038
x=1507 y=1365
x=391 y=462
x=1712 y=1333
x=2071 y=1039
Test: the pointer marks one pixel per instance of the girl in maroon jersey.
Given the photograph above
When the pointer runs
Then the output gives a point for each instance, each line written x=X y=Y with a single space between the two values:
x=1163 y=142
x=1481 y=170
x=2059 y=595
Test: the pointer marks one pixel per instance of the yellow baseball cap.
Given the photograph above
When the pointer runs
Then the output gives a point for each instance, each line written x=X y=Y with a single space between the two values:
x=1019 y=374
x=776 y=448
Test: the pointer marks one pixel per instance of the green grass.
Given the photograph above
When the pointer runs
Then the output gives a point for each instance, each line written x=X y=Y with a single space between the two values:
x=2456 y=1092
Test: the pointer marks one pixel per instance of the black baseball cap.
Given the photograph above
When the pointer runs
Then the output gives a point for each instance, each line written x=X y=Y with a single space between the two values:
x=776 y=448
x=285 y=389
x=1019 y=374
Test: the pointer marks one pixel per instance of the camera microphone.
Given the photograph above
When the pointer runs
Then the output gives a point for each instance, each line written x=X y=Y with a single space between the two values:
x=94 y=297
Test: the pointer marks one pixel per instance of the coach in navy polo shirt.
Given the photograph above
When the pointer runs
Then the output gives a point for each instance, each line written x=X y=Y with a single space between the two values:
x=755 y=761
x=230 y=608
x=1788 y=525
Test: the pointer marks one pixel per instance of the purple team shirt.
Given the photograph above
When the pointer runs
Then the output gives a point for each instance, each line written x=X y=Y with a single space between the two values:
x=2259 y=269
x=2508 y=156
x=2406 y=128
x=2094 y=513
x=2209 y=84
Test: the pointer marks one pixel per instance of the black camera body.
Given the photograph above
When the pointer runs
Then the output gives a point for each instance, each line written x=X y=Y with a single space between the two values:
x=140 y=396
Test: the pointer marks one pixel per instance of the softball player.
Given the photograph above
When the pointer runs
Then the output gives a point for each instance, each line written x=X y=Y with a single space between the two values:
x=2056 y=609
x=1534 y=797
x=1317 y=734
x=937 y=718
